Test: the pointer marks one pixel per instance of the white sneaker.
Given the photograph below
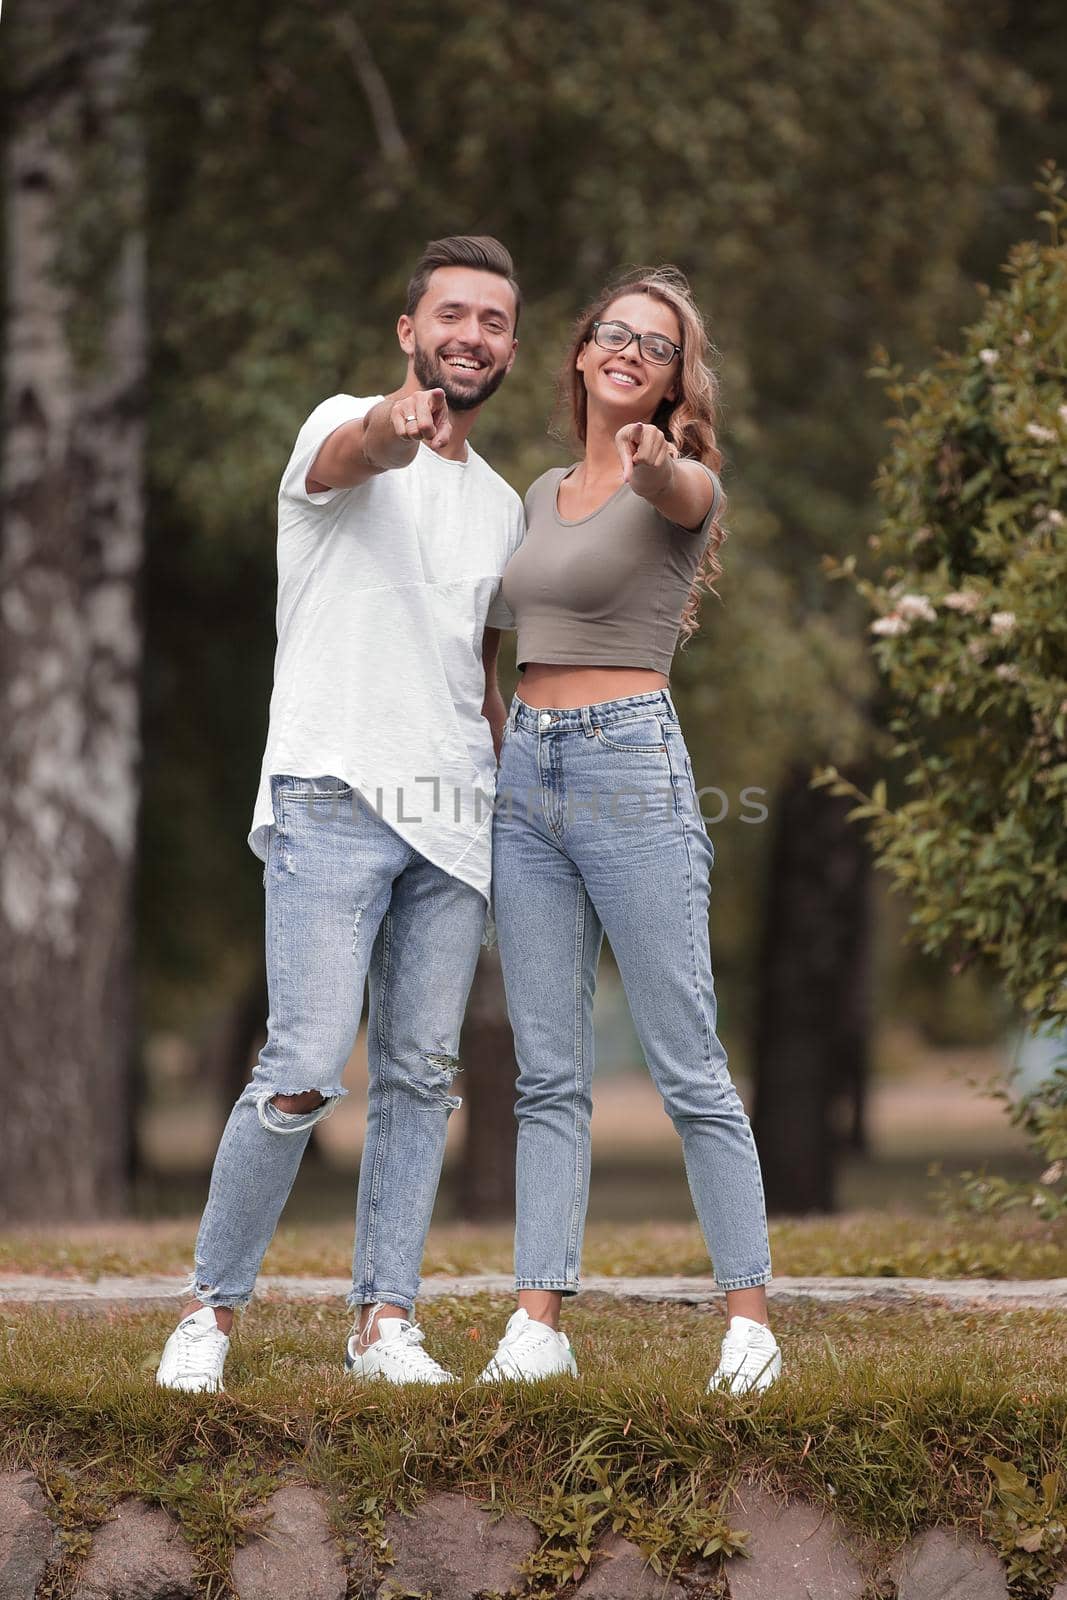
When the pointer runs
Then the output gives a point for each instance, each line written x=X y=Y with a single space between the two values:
x=530 y=1350
x=396 y=1355
x=750 y=1358
x=193 y=1356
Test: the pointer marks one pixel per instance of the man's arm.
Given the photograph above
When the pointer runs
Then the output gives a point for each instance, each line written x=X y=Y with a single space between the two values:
x=387 y=437
x=493 y=708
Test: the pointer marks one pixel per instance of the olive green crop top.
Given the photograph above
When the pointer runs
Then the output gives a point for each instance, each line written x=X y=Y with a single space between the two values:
x=606 y=590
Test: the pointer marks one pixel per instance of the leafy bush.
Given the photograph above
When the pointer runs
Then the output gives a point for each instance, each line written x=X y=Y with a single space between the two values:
x=1042 y=1116
x=971 y=633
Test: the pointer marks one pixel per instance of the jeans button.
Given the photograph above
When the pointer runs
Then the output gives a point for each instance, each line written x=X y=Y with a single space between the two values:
x=544 y=720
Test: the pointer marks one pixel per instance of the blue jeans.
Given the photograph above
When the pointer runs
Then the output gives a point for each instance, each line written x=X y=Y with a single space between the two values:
x=346 y=896
x=597 y=829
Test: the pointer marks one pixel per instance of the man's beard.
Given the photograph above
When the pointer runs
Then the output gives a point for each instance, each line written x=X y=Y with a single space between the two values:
x=433 y=374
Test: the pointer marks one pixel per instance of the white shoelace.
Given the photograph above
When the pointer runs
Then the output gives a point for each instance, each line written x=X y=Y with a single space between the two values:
x=735 y=1344
x=196 y=1343
x=403 y=1351
x=742 y=1358
x=527 y=1338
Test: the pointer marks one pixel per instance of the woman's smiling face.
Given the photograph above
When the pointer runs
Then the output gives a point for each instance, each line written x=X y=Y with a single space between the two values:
x=623 y=381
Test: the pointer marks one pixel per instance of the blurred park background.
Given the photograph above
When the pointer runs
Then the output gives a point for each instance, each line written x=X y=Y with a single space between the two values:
x=212 y=212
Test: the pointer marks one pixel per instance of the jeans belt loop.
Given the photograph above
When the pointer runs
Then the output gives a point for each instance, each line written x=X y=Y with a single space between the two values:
x=587 y=722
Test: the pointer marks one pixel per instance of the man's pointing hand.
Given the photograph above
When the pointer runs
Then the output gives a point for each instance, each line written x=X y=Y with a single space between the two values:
x=423 y=415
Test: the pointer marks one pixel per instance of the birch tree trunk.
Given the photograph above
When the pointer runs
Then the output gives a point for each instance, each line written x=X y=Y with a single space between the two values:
x=71 y=501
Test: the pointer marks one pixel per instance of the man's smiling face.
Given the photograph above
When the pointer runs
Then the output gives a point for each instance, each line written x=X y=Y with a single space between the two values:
x=461 y=337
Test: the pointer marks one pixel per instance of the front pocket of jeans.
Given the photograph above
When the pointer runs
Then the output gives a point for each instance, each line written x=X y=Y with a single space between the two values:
x=294 y=796
x=316 y=787
x=644 y=735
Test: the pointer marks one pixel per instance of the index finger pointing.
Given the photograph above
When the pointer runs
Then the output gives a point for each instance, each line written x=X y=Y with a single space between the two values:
x=424 y=412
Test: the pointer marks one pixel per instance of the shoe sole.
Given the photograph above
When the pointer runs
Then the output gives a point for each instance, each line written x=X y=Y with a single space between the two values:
x=541 y=1377
x=723 y=1386
x=379 y=1377
x=177 y=1388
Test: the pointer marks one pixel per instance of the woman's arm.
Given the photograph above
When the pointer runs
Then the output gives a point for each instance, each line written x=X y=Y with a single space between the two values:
x=682 y=491
x=493 y=708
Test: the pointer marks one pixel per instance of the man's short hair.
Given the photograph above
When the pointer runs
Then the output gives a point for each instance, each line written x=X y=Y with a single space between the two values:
x=480 y=251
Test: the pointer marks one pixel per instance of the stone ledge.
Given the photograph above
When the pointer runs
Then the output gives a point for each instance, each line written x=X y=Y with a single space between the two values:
x=621 y=1572
x=942 y=1565
x=795 y=1551
x=295 y=1554
x=27 y=1536
x=139 y=1554
x=453 y=1549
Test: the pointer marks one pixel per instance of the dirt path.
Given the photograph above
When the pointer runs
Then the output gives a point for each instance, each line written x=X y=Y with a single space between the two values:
x=111 y=1293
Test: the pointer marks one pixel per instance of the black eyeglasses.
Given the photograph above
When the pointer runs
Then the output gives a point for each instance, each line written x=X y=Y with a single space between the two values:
x=655 y=347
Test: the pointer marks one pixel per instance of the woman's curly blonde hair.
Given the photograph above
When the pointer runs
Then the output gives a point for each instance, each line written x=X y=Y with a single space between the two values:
x=689 y=420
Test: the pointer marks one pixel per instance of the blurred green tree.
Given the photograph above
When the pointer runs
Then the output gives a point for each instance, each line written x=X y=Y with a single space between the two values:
x=820 y=177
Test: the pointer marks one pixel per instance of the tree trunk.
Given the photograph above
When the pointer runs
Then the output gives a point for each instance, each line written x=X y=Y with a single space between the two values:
x=813 y=1007
x=486 y=1186
x=70 y=638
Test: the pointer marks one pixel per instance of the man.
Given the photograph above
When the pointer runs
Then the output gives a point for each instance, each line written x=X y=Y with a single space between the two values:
x=373 y=816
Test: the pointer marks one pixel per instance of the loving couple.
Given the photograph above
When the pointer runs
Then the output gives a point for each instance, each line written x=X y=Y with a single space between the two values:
x=401 y=556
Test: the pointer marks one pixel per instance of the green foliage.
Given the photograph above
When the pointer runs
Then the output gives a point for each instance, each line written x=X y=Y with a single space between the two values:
x=218 y=1504
x=1029 y=1527
x=77 y=1505
x=971 y=634
x=1042 y=1115
x=819 y=175
x=682 y=1520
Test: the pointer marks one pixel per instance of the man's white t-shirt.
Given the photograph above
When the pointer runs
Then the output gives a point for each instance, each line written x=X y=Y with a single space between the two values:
x=383 y=594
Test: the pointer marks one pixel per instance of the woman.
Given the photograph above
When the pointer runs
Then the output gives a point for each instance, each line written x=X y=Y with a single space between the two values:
x=598 y=827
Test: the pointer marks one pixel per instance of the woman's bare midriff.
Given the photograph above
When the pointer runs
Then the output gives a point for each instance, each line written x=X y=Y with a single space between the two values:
x=561 y=688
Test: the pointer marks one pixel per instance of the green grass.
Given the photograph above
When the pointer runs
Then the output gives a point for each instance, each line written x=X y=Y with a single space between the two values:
x=861 y=1245
x=885 y=1414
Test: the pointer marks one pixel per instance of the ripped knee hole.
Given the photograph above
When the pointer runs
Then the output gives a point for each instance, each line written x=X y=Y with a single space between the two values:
x=309 y=1100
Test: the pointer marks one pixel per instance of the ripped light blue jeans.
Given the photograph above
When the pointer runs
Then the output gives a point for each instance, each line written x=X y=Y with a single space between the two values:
x=346 y=898
x=597 y=828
